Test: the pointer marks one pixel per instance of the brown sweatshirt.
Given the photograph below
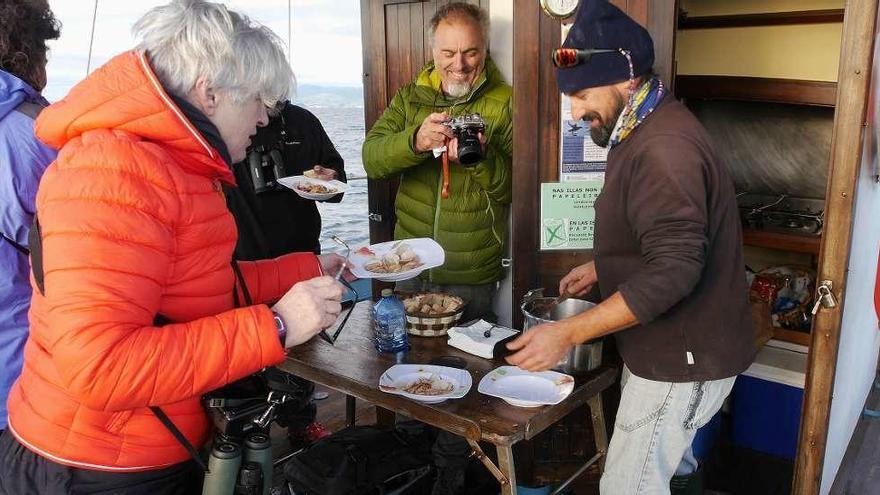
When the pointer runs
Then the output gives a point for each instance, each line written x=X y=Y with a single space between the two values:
x=668 y=238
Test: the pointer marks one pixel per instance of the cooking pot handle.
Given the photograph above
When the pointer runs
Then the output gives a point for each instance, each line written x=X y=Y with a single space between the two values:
x=532 y=295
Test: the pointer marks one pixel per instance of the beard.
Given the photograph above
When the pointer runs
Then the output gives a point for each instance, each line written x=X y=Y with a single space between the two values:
x=602 y=134
x=458 y=90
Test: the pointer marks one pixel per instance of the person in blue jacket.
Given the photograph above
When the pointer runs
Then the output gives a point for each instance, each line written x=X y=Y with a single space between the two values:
x=25 y=25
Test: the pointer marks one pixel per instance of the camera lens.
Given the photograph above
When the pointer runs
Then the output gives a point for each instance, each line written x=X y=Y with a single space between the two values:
x=469 y=149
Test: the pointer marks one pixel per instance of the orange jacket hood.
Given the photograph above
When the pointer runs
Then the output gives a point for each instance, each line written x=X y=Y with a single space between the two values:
x=125 y=95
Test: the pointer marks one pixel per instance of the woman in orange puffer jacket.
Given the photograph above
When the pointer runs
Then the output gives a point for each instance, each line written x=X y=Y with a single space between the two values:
x=134 y=230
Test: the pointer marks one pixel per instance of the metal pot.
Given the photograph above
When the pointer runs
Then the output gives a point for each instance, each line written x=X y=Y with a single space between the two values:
x=538 y=309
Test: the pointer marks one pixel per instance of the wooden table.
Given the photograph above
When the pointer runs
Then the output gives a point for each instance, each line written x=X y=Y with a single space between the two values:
x=353 y=366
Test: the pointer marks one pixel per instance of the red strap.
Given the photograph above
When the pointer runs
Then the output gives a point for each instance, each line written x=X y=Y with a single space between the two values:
x=445 y=191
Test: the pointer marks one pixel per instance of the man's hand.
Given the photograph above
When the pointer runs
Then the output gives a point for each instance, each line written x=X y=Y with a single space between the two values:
x=579 y=281
x=432 y=133
x=331 y=263
x=452 y=147
x=540 y=348
x=309 y=307
x=321 y=173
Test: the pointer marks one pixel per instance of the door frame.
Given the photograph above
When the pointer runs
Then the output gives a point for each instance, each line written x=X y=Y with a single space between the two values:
x=854 y=75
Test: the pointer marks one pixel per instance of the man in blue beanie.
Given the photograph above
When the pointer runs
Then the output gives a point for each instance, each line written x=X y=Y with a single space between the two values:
x=667 y=258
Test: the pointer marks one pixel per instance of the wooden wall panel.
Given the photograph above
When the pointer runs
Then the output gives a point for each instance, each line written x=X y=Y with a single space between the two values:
x=526 y=76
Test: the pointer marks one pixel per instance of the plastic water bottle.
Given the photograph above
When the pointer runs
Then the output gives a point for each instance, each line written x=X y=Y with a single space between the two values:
x=389 y=323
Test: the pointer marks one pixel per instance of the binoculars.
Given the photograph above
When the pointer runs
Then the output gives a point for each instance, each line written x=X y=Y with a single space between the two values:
x=232 y=471
x=265 y=166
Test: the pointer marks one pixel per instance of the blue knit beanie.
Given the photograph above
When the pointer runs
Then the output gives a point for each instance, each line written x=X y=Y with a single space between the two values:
x=599 y=24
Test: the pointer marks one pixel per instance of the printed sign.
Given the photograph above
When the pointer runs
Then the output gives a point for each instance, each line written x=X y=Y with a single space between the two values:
x=567 y=214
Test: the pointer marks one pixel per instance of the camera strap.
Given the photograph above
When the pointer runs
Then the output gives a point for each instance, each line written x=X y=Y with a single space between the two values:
x=160 y=414
x=178 y=435
x=18 y=247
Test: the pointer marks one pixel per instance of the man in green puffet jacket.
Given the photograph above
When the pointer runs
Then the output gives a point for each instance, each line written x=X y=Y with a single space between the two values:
x=470 y=224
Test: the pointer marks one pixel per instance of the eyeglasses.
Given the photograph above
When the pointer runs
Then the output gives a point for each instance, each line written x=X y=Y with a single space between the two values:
x=350 y=303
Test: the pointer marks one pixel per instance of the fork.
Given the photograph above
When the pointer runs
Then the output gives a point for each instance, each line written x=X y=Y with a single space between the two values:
x=344 y=244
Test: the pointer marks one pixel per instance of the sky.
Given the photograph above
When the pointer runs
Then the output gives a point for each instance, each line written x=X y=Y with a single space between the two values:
x=326 y=37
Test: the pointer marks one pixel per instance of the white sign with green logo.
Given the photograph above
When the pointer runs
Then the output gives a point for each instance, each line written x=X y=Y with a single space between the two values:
x=567 y=214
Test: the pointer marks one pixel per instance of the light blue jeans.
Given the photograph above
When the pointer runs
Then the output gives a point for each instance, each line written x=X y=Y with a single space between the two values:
x=656 y=424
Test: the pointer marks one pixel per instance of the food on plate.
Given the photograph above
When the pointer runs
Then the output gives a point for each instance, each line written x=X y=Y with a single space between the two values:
x=432 y=304
x=365 y=251
x=429 y=385
x=399 y=259
x=311 y=174
x=312 y=188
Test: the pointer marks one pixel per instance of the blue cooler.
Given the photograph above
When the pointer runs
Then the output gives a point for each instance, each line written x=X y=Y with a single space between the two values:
x=767 y=400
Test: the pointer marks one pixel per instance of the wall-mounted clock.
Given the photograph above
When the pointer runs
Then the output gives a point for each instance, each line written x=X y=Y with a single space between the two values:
x=559 y=9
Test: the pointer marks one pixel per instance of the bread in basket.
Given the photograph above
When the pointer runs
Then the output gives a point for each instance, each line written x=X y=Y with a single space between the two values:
x=431 y=314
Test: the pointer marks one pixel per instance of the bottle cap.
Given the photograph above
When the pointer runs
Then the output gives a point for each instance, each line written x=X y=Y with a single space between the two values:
x=387 y=292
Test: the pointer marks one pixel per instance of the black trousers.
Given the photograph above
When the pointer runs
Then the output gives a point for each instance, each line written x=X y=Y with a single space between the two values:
x=24 y=473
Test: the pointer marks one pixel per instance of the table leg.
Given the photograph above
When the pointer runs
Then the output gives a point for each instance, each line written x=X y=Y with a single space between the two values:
x=350 y=410
x=505 y=463
x=600 y=432
x=385 y=417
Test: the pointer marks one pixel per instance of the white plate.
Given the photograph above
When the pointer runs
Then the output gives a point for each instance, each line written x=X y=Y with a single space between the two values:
x=429 y=252
x=292 y=181
x=526 y=388
x=398 y=377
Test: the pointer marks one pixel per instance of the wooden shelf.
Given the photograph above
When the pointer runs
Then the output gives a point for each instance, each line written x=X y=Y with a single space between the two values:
x=781 y=241
x=802 y=338
x=763 y=19
x=792 y=91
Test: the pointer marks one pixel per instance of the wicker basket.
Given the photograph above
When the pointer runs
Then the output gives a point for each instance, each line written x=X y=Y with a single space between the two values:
x=424 y=325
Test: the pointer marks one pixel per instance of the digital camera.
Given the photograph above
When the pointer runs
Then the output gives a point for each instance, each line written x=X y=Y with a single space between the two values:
x=466 y=128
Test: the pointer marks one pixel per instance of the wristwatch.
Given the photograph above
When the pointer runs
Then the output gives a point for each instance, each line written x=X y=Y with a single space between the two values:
x=282 y=328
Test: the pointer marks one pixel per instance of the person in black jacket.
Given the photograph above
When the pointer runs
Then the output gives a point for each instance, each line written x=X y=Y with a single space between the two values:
x=276 y=220
x=273 y=220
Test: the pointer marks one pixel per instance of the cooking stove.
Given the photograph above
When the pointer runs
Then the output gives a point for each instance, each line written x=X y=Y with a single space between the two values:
x=782 y=213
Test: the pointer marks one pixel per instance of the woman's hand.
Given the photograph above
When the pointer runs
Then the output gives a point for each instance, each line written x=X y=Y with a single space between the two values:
x=309 y=307
x=332 y=263
x=579 y=281
x=539 y=348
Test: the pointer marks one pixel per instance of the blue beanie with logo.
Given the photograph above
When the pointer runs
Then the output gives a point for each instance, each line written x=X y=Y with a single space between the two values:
x=600 y=25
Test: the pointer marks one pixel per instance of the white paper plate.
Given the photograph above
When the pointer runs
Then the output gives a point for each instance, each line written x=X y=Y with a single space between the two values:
x=292 y=181
x=429 y=252
x=526 y=388
x=400 y=376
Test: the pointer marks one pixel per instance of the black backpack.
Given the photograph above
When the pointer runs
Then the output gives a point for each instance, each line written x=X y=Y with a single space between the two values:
x=363 y=460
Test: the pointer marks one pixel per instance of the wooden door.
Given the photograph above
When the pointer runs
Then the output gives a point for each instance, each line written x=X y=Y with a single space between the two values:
x=396 y=46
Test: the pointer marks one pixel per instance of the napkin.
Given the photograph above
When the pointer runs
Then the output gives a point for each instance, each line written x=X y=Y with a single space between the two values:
x=471 y=338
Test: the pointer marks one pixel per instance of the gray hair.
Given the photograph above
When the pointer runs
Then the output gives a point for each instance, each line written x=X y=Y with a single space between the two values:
x=467 y=11
x=189 y=39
